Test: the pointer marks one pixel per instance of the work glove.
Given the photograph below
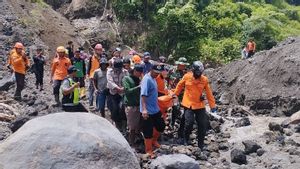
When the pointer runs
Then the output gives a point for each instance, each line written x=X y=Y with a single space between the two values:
x=214 y=110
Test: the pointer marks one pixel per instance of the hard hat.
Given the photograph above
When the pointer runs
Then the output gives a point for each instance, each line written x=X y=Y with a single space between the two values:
x=19 y=45
x=60 y=49
x=197 y=67
x=136 y=59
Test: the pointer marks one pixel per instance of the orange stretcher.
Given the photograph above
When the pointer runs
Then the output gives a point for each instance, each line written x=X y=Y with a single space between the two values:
x=164 y=103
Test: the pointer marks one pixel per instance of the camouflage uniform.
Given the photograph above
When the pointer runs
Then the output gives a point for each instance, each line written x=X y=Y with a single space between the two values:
x=174 y=77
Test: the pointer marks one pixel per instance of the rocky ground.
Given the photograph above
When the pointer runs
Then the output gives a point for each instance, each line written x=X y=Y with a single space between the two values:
x=255 y=96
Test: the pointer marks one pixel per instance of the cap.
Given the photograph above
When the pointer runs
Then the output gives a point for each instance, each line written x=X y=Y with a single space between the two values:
x=77 y=50
x=157 y=68
x=182 y=61
x=147 y=55
x=72 y=69
x=138 y=67
x=117 y=50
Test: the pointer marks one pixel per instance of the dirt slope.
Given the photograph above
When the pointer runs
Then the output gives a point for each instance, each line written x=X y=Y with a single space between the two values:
x=269 y=83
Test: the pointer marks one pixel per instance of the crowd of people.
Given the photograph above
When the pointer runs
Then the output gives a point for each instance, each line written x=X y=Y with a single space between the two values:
x=137 y=91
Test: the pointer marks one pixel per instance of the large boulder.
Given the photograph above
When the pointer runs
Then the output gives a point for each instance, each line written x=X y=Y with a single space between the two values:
x=174 y=161
x=268 y=83
x=85 y=8
x=67 y=140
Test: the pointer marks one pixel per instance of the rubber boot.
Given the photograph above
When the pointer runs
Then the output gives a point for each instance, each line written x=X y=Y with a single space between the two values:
x=148 y=148
x=156 y=135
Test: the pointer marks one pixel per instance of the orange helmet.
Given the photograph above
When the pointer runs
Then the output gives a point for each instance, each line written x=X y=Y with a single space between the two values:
x=136 y=59
x=19 y=45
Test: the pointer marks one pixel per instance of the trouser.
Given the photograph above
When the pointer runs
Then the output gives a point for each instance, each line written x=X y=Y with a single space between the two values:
x=56 y=86
x=74 y=108
x=91 y=92
x=39 y=75
x=20 y=81
x=153 y=121
x=100 y=102
x=202 y=120
x=117 y=110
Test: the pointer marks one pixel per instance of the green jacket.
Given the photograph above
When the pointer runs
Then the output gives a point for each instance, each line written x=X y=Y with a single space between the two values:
x=132 y=91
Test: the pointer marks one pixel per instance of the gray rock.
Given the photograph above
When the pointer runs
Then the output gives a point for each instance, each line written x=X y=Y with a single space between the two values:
x=18 y=122
x=5 y=83
x=238 y=156
x=243 y=122
x=174 y=161
x=260 y=152
x=275 y=127
x=67 y=140
x=251 y=146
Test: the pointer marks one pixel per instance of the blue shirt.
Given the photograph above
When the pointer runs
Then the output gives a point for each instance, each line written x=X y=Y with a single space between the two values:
x=149 y=89
x=147 y=67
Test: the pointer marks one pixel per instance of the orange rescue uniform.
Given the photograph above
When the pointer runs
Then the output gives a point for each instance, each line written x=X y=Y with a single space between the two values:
x=193 y=92
x=60 y=67
x=161 y=85
x=95 y=64
x=18 y=63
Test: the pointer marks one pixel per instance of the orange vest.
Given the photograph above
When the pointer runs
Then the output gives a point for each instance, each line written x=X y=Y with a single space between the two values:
x=60 y=67
x=95 y=64
x=18 y=63
x=193 y=89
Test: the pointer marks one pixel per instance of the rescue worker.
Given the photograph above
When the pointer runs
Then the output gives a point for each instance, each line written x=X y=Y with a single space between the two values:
x=116 y=90
x=79 y=63
x=251 y=47
x=100 y=85
x=152 y=121
x=194 y=84
x=70 y=49
x=59 y=71
x=136 y=59
x=162 y=82
x=132 y=88
x=174 y=77
x=115 y=55
x=147 y=63
x=39 y=62
x=71 y=92
x=93 y=64
x=127 y=64
x=20 y=63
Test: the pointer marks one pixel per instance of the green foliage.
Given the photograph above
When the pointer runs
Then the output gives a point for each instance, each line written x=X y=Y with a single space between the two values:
x=213 y=30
